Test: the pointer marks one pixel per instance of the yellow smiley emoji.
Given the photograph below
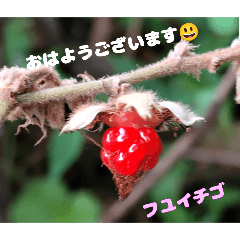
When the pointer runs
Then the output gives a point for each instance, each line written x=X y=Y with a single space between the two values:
x=188 y=31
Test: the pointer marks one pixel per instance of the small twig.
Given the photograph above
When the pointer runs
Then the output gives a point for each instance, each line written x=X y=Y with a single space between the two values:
x=181 y=146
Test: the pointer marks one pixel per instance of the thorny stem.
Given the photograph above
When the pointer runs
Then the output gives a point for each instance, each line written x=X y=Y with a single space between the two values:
x=188 y=64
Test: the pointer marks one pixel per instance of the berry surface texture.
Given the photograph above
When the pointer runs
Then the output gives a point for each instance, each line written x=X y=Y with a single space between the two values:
x=128 y=150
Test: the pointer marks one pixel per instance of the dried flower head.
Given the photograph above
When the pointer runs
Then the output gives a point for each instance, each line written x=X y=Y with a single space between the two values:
x=15 y=80
x=134 y=109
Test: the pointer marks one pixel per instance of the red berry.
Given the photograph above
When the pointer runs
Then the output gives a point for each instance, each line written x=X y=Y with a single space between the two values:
x=106 y=157
x=149 y=162
x=128 y=150
x=126 y=160
x=153 y=147
x=119 y=138
x=124 y=164
x=152 y=141
x=130 y=119
x=136 y=151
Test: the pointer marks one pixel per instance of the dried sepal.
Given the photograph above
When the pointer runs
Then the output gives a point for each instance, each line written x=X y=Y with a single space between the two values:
x=182 y=49
x=214 y=64
x=86 y=77
x=182 y=112
x=17 y=80
x=235 y=42
x=136 y=108
x=236 y=70
x=141 y=101
x=84 y=115
x=7 y=102
x=66 y=82
x=151 y=108
x=22 y=80
x=237 y=73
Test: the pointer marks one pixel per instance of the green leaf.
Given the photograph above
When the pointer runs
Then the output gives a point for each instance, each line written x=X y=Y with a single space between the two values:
x=18 y=40
x=86 y=207
x=198 y=21
x=223 y=25
x=121 y=63
x=216 y=208
x=42 y=201
x=102 y=97
x=203 y=99
x=157 y=25
x=63 y=151
x=124 y=21
x=157 y=85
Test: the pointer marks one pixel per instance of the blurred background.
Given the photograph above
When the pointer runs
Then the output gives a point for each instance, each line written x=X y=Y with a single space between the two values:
x=62 y=179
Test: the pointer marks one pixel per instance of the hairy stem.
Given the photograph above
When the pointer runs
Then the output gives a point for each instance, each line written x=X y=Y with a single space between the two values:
x=191 y=63
x=238 y=86
x=4 y=109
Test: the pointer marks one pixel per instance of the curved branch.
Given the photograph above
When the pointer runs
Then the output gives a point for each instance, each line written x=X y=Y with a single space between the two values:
x=179 y=60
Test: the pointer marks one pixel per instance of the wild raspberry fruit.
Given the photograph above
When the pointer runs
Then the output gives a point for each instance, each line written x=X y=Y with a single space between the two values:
x=153 y=146
x=149 y=162
x=124 y=165
x=152 y=141
x=126 y=161
x=119 y=137
x=130 y=119
x=106 y=157
x=128 y=150
x=123 y=149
